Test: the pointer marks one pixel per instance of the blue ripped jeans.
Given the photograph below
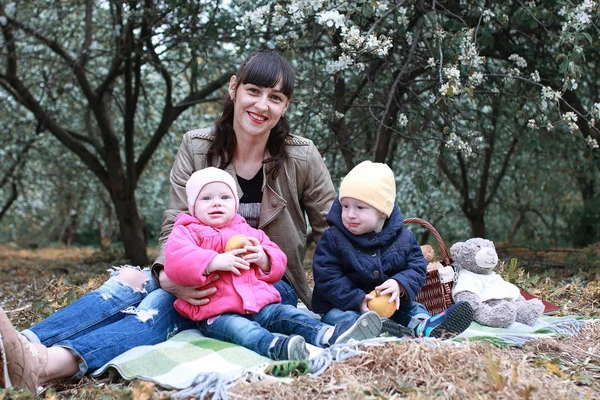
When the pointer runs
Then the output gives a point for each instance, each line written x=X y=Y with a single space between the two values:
x=410 y=314
x=109 y=321
x=115 y=318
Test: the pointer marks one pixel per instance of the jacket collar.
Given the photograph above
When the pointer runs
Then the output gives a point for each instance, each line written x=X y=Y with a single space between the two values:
x=368 y=240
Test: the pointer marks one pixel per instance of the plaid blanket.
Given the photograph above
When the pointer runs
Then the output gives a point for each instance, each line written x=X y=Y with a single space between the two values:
x=517 y=334
x=200 y=366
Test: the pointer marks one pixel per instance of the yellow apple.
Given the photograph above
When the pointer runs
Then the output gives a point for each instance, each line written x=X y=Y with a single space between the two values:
x=380 y=304
x=238 y=241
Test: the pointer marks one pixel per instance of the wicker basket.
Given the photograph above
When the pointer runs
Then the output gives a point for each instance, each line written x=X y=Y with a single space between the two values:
x=435 y=295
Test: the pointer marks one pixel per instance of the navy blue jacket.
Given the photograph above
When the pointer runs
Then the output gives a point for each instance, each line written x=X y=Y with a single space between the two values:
x=346 y=266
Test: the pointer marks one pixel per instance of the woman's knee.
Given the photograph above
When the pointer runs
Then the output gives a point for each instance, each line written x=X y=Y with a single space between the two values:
x=132 y=277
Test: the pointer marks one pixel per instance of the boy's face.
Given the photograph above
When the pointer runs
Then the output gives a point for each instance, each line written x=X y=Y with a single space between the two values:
x=360 y=218
x=215 y=205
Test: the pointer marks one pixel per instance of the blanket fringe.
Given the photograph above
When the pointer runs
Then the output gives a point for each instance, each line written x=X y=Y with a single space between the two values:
x=320 y=363
x=205 y=384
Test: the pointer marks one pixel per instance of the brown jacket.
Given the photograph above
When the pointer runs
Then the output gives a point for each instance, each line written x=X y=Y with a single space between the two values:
x=302 y=186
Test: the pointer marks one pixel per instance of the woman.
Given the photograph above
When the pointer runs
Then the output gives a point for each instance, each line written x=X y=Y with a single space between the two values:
x=279 y=177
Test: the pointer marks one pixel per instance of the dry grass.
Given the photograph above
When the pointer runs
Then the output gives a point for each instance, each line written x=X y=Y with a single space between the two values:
x=37 y=282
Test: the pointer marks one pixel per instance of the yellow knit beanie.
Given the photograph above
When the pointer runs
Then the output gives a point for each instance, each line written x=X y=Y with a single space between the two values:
x=373 y=184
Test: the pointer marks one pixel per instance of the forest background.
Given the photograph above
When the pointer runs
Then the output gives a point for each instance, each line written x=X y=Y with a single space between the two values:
x=486 y=111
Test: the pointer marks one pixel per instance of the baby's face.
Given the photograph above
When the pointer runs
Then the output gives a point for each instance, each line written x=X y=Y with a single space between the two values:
x=215 y=205
x=360 y=218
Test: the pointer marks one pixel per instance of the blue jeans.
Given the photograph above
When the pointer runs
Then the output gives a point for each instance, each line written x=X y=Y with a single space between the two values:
x=254 y=331
x=410 y=314
x=287 y=292
x=115 y=318
x=109 y=321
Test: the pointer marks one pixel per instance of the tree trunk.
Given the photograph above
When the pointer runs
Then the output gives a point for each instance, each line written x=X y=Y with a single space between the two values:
x=132 y=231
x=477 y=223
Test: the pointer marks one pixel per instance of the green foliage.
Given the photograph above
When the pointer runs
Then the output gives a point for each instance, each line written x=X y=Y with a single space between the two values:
x=486 y=112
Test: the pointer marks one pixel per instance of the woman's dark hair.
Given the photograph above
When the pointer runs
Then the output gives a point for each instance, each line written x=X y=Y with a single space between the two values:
x=265 y=69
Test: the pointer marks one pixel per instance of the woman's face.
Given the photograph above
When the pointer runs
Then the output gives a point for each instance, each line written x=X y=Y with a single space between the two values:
x=257 y=109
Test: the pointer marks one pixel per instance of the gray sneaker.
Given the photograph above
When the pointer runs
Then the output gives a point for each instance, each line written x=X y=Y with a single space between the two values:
x=291 y=347
x=367 y=326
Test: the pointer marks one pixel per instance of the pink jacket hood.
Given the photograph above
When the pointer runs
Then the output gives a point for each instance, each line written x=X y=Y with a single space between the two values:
x=191 y=247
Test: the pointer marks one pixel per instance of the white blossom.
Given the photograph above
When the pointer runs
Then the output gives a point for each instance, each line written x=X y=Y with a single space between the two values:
x=402 y=120
x=338 y=115
x=402 y=16
x=342 y=63
x=570 y=119
x=487 y=15
x=518 y=60
x=331 y=18
x=380 y=8
x=440 y=34
x=3 y=20
x=255 y=18
x=593 y=143
x=535 y=76
x=548 y=93
x=456 y=143
x=531 y=124
x=469 y=56
x=597 y=109
x=476 y=79
x=431 y=62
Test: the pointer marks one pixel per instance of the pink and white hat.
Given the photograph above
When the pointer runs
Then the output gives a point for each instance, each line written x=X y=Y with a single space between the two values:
x=203 y=177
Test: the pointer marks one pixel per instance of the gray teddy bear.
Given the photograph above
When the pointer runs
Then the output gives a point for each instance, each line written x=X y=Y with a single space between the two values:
x=495 y=302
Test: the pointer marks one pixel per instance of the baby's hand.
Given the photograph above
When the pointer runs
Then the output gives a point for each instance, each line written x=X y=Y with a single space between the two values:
x=392 y=288
x=363 y=305
x=256 y=255
x=229 y=261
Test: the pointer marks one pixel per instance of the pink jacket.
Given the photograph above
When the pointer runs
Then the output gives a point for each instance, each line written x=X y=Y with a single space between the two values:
x=192 y=246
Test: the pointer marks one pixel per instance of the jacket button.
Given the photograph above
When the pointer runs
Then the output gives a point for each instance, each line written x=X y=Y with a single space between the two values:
x=375 y=273
x=372 y=238
x=274 y=204
x=374 y=255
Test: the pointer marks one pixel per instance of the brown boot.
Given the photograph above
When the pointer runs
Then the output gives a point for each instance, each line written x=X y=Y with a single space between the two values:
x=23 y=361
x=4 y=379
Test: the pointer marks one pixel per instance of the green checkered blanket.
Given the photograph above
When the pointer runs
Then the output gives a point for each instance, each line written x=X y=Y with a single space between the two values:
x=200 y=366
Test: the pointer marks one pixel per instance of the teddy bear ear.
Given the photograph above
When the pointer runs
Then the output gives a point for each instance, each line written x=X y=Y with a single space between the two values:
x=454 y=248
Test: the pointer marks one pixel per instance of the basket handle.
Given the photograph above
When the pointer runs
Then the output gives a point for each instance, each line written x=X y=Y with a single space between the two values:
x=436 y=235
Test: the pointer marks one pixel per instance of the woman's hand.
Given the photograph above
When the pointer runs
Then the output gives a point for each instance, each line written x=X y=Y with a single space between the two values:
x=256 y=255
x=392 y=287
x=193 y=295
x=230 y=261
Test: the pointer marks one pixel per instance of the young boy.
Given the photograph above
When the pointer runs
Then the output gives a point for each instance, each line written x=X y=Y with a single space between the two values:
x=246 y=308
x=367 y=247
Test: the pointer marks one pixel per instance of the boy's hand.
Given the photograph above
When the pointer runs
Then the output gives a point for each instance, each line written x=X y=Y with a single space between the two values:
x=363 y=305
x=229 y=261
x=391 y=287
x=256 y=255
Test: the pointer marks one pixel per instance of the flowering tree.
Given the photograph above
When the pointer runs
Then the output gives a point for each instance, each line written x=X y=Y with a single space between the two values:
x=108 y=80
x=461 y=82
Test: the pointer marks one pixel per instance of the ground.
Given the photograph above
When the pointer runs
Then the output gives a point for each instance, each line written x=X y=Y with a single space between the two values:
x=37 y=282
